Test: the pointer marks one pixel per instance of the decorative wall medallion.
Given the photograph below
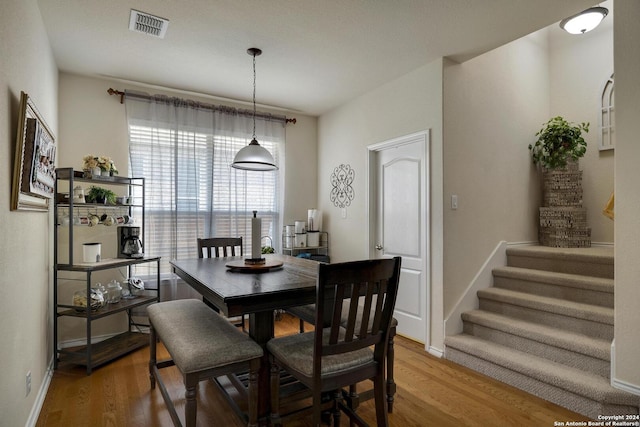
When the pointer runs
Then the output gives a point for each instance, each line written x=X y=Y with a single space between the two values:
x=342 y=192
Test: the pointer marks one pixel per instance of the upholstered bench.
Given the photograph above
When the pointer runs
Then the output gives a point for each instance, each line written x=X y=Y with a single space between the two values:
x=307 y=313
x=202 y=344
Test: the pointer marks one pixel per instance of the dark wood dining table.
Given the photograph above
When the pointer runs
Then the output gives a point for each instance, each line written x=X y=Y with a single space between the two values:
x=256 y=294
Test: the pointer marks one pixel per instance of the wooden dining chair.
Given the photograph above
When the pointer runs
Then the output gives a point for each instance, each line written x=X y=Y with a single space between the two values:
x=340 y=353
x=216 y=247
x=219 y=246
x=307 y=313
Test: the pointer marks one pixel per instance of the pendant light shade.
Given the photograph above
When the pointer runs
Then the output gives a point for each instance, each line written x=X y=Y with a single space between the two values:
x=254 y=157
x=584 y=21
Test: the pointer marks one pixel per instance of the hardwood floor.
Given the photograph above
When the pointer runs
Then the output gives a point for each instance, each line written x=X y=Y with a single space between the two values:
x=431 y=392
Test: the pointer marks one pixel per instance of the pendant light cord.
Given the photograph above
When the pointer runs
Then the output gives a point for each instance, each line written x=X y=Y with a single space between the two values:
x=254 y=95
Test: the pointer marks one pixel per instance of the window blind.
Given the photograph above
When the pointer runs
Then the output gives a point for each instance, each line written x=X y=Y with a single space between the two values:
x=191 y=190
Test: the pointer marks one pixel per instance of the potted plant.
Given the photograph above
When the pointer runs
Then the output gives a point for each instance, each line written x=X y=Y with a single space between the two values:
x=99 y=165
x=563 y=220
x=559 y=141
x=100 y=195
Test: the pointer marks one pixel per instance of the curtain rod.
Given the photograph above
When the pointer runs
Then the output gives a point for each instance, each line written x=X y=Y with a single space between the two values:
x=248 y=113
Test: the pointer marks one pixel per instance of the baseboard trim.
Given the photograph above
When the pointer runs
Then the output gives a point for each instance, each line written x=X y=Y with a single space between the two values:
x=435 y=352
x=42 y=394
x=619 y=384
x=625 y=386
x=82 y=341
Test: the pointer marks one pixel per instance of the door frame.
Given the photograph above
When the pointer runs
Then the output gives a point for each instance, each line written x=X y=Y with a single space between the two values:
x=373 y=149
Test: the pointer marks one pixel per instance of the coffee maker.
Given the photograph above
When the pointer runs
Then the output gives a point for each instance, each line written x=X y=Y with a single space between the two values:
x=129 y=243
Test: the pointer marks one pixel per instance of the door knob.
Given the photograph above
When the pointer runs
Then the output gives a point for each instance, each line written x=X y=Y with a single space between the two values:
x=379 y=247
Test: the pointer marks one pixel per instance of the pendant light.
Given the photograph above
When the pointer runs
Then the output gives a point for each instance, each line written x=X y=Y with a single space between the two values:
x=254 y=157
x=584 y=21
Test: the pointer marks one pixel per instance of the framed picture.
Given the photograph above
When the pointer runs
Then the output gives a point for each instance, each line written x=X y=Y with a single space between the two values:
x=34 y=171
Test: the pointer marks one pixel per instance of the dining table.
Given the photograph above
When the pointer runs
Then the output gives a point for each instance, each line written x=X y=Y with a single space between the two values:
x=237 y=287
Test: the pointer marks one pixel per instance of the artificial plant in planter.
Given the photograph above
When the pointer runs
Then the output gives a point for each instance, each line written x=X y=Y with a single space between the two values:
x=100 y=195
x=559 y=141
x=563 y=220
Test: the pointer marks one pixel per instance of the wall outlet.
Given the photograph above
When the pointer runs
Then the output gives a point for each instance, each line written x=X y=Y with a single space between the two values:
x=28 y=383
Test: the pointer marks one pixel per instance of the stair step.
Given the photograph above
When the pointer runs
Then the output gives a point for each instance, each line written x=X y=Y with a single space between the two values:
x=552 y=381
x=568 y=348
x=586 y=319
x=594 y=261
x=572 y=287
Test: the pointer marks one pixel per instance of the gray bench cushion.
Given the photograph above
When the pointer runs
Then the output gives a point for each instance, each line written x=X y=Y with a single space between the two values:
x=198 y=338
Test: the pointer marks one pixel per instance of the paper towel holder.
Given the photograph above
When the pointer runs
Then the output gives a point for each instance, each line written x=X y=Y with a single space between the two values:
x=256 y=242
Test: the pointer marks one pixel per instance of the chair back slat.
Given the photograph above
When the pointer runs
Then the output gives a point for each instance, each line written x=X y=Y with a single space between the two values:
x=214 y=246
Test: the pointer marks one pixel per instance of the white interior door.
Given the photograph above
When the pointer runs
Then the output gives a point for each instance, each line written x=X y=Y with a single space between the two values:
x=399 y=225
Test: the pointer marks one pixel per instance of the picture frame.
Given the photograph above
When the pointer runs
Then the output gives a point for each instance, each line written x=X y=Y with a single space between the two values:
x=34 y=173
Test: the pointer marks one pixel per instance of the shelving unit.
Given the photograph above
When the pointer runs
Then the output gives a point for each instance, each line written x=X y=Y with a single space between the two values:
x=322 y=250
x=92 y=354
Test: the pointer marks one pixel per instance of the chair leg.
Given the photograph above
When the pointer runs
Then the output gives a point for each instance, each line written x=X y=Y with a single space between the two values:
x=152 y=355
x=253 y=393
x=317 y=408
x=337 y=398
x=379 y=393
x=301 y=326
x=275 y=393
x=353 y=400
x=391 y=384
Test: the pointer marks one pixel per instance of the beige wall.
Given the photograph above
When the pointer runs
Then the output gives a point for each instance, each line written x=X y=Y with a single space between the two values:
x=404 y=106
x=589 y=56
x=26 y=64
x=92 y=122
x=493 y=104
x=627 y=177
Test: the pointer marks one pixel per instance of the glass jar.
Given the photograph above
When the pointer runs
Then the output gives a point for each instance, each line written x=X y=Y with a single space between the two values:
x=114 y=291
x=94 y=302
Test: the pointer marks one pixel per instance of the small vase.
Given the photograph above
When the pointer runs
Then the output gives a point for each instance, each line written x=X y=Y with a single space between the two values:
x=105 y=173
x=95 y=171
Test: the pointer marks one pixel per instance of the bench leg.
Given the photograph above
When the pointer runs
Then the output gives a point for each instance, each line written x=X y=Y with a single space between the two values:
x=391 y=384
x=254 y=368
x=191 y=408
x=152 y=355
x=275 y=393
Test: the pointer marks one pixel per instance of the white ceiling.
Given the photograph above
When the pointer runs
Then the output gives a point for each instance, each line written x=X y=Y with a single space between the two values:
x=317 y=54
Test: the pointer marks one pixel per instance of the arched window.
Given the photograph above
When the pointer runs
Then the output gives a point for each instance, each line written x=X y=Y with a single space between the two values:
x=607 y=117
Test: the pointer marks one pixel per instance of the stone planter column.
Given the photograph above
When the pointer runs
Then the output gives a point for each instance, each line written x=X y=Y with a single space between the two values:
x=563 y=220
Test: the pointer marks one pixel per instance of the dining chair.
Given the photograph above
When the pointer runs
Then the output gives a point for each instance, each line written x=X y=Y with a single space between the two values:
x=220 y=247
x=214 y=246
x=306 y=313
x=339 y=354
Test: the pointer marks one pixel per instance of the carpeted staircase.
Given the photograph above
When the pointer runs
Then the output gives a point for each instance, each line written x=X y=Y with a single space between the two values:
x=546 y=327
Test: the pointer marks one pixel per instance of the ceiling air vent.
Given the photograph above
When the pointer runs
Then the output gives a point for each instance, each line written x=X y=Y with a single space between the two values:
x=142 y=22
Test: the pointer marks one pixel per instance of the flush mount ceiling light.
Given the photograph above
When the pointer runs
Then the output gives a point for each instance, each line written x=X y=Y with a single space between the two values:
x=253 y=157
x=584 y=21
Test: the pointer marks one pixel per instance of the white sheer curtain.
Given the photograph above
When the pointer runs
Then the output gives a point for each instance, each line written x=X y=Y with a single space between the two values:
x=184 y=150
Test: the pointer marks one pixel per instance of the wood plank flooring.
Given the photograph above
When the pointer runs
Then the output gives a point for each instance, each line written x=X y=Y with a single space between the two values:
x=431 y=392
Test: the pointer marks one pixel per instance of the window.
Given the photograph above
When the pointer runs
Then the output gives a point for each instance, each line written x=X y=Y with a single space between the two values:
x=607 y=117
x=191 y=190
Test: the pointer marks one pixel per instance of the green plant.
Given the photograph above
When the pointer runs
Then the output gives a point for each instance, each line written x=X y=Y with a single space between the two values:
x=99 y=194
x=268 y=250
x=557 y=142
